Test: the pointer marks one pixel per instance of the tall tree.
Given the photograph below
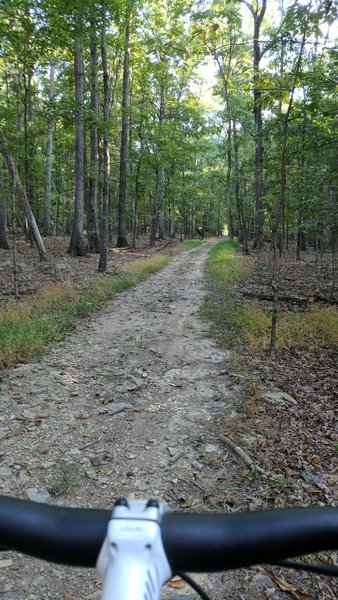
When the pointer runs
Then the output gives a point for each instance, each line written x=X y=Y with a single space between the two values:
x=106 y=160
x=78 y=245
x=122 y=240
x=257 y=11
x=92 y=221
x=49 y=152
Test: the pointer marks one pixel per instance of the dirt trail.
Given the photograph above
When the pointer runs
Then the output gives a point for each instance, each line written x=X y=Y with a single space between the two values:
x=129 y=405
x=122 y=407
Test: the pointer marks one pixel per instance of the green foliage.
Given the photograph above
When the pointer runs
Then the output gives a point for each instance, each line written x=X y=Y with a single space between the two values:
x=225 y=264
x=190 y=144
x=27 y=327
x=248 y=324
x=191 y=244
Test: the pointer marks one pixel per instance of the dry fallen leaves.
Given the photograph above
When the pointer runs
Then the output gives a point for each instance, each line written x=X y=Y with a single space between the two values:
x=177 y=583
x=286 y=586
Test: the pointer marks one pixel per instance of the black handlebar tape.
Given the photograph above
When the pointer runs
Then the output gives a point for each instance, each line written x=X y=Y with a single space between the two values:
x=69 y=536
x=214 y=542
x=193 y=542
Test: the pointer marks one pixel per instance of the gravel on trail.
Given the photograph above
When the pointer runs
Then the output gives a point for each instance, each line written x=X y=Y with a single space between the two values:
x=124 y=407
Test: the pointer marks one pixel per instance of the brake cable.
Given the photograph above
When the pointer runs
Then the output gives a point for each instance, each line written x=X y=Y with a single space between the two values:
x=321 y=569
x=195 y=586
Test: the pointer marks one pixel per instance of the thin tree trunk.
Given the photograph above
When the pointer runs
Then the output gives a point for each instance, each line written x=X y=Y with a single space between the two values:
x=238 y=195
x=49 y=154
x=122 y=240
x=29 y=143
x=161 y=224
x=15 y=259
x=24 y=200
x=157 y=202
x=78 y=245
x=159 y=178
x=259 y=150
x=92 y=221
x=136 y=201
x=333 y=236
x=3 y=225
x=102 y=267
x=225 y=78
x=172 y=232
x=228 y=181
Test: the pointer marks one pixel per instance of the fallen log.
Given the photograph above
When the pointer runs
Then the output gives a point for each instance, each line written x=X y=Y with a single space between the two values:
x=283 y=298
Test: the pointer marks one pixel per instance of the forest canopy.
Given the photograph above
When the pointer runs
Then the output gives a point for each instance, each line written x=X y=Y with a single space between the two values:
x=105 y=129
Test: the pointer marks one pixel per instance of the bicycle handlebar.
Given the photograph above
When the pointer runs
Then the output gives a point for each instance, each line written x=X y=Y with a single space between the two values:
x=192 y=542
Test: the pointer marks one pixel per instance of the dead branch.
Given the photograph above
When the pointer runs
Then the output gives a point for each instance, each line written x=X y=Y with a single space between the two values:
x=283 y=298
x=242 y=455
x=165 y=245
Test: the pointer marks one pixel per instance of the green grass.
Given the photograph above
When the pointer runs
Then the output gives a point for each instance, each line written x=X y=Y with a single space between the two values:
x=223 y=266
x=27 y=327
x=191 y=244
x=245 y=323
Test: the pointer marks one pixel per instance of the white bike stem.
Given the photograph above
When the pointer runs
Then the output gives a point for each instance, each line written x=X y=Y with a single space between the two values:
x=132 y=560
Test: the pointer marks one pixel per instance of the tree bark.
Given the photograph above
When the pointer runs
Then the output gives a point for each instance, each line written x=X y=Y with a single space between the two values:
x=159 y=178
x=49 y=154
x=228 y=180
x=24 y=200
x=3 y=225
x=172 y=232
x=258 y=15
x=238 y=195
x=122 y=240
x=30 y=173
x=102 y=267
x=92 y=223
x=78 y=245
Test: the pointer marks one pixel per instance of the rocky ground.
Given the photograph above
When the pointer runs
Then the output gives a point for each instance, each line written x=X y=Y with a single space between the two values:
x=129 y=405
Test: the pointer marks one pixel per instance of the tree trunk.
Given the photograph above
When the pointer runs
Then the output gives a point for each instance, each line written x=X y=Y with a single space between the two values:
x=78 y=245
x=228 y=181
x=258 y=15
x=102 y=267
x=136 y=201
x=172 y=232
x=92 y=223
x=259 y=150
x=24 y=200
x=161 y=224
x=159 y=178
x=157 y=201
x=122 y=227
x=29 y=142
x=225 y=78
x=238 y=195
x=49 y=154
x=3 y=225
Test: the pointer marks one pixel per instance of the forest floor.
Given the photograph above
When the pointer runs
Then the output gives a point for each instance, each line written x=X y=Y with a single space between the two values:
x=137 y=402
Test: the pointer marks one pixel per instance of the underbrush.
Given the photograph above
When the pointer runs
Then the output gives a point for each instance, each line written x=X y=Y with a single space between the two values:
x=238 y=321
x=28 y=326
